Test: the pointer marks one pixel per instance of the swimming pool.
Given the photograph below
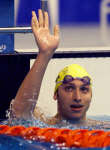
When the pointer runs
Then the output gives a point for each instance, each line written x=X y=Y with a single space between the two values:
x=22 y=135
x=28 y=138
x=17 y=143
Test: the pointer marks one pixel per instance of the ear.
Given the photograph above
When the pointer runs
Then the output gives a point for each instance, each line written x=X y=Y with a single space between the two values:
x=55 y=96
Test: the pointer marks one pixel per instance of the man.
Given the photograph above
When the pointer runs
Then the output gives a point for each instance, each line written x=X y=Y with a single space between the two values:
x=73 y=90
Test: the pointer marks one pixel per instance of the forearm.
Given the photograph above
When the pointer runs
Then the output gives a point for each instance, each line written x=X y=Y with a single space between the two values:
x=28 y=92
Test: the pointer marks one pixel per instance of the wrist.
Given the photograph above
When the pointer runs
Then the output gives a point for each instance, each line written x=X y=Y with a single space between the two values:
x=46 y=54
x=45 y=57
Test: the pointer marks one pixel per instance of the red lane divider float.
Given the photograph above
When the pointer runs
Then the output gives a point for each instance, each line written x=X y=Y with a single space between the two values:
x=81 y=138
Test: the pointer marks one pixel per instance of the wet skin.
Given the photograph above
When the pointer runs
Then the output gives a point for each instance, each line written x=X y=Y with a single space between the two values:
x=73 y=100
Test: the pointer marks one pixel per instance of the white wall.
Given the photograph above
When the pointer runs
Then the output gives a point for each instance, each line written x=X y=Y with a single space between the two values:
x=99 y=69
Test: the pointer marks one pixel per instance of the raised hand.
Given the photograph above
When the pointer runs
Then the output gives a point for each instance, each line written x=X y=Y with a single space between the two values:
x=28 y=92
x=47 y=43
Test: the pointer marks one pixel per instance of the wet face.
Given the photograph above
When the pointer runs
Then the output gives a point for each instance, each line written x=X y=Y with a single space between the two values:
x=73 y=100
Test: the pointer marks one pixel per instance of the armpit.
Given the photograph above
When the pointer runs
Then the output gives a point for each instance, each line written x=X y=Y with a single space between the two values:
x=38 y=114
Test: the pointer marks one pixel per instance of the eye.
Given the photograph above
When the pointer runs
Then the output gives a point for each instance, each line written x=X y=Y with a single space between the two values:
x=84 y=89
x=69 y=88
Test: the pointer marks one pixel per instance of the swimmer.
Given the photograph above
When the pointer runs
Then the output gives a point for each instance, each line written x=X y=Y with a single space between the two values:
x=73 y=90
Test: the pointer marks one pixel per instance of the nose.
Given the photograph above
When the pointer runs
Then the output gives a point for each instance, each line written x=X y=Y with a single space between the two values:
x=77 y=96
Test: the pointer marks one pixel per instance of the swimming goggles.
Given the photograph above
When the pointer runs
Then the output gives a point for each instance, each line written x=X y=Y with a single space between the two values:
x=69 y=78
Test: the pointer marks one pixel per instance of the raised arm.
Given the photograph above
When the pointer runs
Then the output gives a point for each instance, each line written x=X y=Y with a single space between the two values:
x=28 y=92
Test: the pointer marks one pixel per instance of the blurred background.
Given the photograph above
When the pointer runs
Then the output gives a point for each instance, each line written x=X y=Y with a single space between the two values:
x=84 y=25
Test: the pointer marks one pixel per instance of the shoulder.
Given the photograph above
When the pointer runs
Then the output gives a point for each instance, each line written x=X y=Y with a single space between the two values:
x=102 y=124
x=39 y=114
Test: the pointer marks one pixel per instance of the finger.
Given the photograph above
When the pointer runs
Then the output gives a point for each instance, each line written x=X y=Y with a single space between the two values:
x=34 y=21
x=46 y=24
x=40 y=18
x=56 y=31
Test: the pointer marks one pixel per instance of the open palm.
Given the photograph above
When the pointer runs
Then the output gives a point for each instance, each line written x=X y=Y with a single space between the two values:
x=46 y=42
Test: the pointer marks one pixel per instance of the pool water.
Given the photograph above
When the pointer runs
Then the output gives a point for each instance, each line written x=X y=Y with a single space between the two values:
x=17 y=143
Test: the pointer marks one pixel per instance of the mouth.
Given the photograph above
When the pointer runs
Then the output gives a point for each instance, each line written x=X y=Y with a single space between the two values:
x=76 y=108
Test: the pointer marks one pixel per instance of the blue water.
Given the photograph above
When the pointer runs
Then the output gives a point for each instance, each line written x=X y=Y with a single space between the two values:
x=18 y=143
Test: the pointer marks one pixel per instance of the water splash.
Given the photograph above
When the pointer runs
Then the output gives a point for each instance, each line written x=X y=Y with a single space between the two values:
x=38 y=123
x=33 y=122
x=13 y=121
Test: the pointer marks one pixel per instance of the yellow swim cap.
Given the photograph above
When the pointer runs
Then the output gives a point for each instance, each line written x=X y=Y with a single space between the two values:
x=74 y=70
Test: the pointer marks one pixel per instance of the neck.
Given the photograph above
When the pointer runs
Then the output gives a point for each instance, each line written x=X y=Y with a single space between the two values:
x=71 y=121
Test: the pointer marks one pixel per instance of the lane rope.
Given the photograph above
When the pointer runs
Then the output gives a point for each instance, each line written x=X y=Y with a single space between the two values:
x=79 y=138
